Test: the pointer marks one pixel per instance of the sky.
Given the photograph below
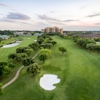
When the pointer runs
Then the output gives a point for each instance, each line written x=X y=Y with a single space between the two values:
x=71 y=15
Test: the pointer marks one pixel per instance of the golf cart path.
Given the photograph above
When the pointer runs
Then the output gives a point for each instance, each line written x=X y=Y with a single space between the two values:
x=17 y=74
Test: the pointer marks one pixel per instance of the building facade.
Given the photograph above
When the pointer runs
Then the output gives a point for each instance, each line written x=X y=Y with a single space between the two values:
x=52 y=29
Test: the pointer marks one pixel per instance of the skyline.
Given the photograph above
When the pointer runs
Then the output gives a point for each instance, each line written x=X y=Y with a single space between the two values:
x=71 y=15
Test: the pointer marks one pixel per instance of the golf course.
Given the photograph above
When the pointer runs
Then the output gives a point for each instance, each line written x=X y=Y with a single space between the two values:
x=4 y=52
x=77 y=69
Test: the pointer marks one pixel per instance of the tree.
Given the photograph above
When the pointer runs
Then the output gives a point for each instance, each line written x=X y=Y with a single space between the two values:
x=0 y=40
x=12 y=56
x=43 y=57
x=27 y=61
x=34 y=68
x=34 y=46
x=97 y=39
x=90 y=46
x=40 y=40
x=61 y=35
x=46 y=46
x=62 y=49
x=1 y=92
x=21 y=49
x=18 y=57
x=76 y=38
x=4 y=69
x=80 y=42
x=50 y=38
x=97 y=48
x=23 y=55
x=11 y=65
x=88 y=41
x=46 y=51
x=28 y=51
x=54 y=42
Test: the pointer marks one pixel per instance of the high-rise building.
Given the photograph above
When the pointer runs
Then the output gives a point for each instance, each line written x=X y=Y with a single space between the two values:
x=52 y=29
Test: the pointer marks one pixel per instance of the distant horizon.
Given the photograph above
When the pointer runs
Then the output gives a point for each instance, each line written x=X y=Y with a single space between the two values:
x=40 y=30
x=71 y=15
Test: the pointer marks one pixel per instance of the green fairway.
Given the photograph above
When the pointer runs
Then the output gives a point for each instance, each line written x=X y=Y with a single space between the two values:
x=98 y=43
x=4 y=52
x=79 y=71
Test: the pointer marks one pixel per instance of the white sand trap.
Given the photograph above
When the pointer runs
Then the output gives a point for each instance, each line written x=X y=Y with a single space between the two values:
x=11 y=45
x=47 y=81
x=28 y=38
x=35 y=40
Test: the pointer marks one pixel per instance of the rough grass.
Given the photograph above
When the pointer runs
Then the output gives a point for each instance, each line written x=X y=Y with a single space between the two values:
x=79 y=71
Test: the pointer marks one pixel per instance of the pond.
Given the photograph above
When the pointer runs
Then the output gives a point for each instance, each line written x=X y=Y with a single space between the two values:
x=12 y=45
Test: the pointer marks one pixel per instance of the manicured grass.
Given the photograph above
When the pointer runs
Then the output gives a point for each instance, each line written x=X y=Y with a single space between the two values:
x=4 y=52
x=98 y=43
x=79 y=71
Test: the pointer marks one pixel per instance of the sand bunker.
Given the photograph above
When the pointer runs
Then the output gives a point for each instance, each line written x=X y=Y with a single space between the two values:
x=11 y=45
x=47 y=81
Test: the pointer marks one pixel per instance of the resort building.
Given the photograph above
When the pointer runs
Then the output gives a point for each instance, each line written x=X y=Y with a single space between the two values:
x=52 y=29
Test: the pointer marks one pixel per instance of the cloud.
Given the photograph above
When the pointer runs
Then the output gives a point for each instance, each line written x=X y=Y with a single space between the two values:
x=94 y=15
x=4 y=5
x=70 y=20
x=17 y=16
x=52 y=11
x=56 y=23
x=44 y=17
x=7 y=20
x=25 y=23
x=14 y=21
x=7 y=6
x=97 y=23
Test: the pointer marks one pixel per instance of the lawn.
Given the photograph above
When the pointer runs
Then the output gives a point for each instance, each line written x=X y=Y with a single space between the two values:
x=98 y=43
x=4 y=52
x=79 y=71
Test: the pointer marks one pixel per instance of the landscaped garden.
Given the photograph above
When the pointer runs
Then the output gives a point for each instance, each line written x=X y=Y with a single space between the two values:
x=77 y=69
